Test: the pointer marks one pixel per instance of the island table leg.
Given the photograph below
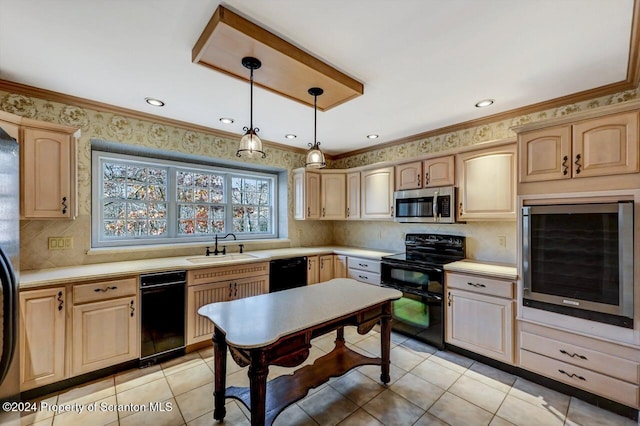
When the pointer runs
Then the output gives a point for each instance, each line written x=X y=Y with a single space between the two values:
x=220 y=367
x=258 y=372
x=385 y=343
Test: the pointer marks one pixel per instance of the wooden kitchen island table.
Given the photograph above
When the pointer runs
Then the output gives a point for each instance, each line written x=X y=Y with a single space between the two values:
x=277 y=329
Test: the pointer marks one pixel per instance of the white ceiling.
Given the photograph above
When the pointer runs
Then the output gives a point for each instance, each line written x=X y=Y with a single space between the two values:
x=424 y=63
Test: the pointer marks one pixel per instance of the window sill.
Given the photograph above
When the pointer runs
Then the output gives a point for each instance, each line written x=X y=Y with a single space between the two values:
x=177 y=249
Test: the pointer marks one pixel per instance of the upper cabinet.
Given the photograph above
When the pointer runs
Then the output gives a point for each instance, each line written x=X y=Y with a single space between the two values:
x=487 y=184
x=333 y=196
x=600 y=146
x=377 y=193
x=48 y=188
x=319 y=195
x=353 y=195
x=424 y=174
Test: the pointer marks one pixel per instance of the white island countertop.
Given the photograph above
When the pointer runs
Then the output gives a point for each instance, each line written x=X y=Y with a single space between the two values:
x=261 y=320
x=496 y=270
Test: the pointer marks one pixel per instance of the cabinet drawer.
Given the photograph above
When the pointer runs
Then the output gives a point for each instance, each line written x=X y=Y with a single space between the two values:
x=483 y=285
x=364 y=276
x=606 y=386
x=576 y=355
x=231 y=272
x=364 y=264
x=104 y=290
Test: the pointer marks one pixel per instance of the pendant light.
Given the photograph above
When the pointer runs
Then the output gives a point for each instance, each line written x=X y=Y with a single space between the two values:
x=315 y=157
x=250 y=144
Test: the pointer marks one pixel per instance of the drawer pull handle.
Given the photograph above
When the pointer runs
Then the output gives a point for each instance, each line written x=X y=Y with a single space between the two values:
x=572 y=375
x=426 y=179
x=577 y=163
x=133 y=309
x=104 y=290
x=476 y=285
x=419 y=176
x=60 y=301
x=564 y=165
x=64 y=205
x=363 y=277
x=574 y=355
x=363 y=265
x=449 y=299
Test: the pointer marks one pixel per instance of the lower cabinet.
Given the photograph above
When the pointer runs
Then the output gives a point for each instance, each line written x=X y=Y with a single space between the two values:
x=326 y=267
x=339 y=266
x=42 y=337
x=220 y=284
x=480 y=315
x=596 y=366
x=365 y=270
x=313 y=270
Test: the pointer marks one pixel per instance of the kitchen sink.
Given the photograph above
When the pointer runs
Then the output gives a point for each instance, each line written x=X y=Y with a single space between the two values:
x=220 y=258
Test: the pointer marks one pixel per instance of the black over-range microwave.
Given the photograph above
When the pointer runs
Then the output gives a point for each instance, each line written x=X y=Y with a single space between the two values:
x=430 y=205
x=578 y=260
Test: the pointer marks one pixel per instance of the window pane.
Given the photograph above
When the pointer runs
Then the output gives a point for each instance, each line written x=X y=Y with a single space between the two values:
x=197 y=194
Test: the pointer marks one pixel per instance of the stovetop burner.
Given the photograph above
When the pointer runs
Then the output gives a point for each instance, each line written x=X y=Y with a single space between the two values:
x=431 y=249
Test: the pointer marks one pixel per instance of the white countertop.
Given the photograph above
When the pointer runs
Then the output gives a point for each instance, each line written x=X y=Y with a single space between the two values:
x=497 y=270
x=62 y=275
x=261 y=320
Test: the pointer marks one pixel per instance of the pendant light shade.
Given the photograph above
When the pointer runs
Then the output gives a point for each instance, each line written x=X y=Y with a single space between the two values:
x=250 y=144
x=315 y=158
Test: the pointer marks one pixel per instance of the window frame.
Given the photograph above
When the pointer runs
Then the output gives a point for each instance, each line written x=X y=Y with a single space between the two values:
x=98 y=239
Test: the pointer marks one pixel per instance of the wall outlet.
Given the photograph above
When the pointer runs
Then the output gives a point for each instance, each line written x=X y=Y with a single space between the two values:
x=60 y=243
x=502 y=241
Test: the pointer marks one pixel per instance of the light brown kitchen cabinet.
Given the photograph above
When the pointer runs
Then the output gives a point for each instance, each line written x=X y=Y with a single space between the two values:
x=353 y=195
x=333 y=196
x=48 y=171
x=600 y=146
x=487 y=184
x=480 y=315
x=432 y=172
x=313 y=270
x=326 y=268
x=340 y=266
x=306 y=192
x=220 y=284
x=377 y=187
x=10 y=123
x=42 y=337
x=104 y=324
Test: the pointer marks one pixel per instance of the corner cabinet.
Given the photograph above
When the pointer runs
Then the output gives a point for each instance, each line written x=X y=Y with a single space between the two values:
x=602 y=146
x=377 y=188
x=487 y=184
x=220 y=284
x=481 y=315
x=306 y=195
x=48 y=171
x=42 y=337
x=319 y=195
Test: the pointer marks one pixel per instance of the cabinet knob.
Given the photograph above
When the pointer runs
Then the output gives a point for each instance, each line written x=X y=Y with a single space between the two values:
x=64 y=205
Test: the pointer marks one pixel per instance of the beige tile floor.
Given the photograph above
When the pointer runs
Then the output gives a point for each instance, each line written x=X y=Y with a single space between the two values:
x=428 y=387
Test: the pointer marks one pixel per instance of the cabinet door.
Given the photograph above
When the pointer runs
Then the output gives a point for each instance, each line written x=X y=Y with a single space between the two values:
x=487 y=184
x=48 y=175
x=482 y=324
x=326 y=268
x=312 y=194
x=377 y=193
x=353 y=195
x=409 y=176
x=299 y=203
x=42 y=337
x=333 y=196
x=200 y=328
x=545 y=154
x=251 y=286
x=339 y=266
x=313 y=270
x=606 y=146
x=104 y=334
x=439 y=171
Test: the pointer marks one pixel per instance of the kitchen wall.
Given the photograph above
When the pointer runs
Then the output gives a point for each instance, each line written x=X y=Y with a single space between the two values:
x=482 y=237
x=34 y=253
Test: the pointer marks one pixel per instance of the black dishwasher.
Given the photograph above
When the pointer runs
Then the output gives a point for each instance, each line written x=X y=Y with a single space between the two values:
x=287 y=273
x=162 y=306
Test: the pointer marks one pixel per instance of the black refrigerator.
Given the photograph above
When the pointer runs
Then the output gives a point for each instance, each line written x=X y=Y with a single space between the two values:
x=9 y=253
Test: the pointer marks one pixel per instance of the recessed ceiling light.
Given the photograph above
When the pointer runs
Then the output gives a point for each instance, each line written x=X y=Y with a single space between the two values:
x=372 y=136
x=290 y=136
x=226 y=120
x=154 y=102
x=484 y=103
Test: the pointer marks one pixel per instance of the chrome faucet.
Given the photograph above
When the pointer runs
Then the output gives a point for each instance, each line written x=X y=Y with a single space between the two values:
x=224 y=249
